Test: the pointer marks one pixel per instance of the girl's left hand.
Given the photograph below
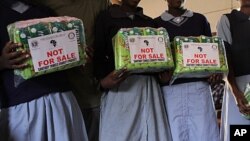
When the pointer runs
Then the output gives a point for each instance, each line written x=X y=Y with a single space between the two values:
x=114 y=78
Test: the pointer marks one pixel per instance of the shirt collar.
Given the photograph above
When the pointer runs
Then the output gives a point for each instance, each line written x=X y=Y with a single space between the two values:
x=116 y=12
x=167 y=16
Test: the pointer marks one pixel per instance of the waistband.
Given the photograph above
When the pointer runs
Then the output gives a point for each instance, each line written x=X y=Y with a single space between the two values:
x=185 y=80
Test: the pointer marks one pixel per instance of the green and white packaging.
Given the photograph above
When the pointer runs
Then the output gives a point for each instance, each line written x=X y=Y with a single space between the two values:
x=142 y=49
x=247 y=96
x=55 y=44
x=198 y=57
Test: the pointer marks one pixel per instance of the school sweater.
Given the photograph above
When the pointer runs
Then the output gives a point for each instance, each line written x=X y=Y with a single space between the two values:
x=240 y=49
x=107 y=25
x=188 y=24
x=32 y=88
x=83 y=83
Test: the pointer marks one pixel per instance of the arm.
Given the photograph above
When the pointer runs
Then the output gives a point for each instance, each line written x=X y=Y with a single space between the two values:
x=207 y=28
x=107 y=77
x=223 y=29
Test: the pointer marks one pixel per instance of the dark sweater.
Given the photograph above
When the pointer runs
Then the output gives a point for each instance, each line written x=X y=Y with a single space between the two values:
x=240 y=49
x=35 y=87
x=193 y=26
x=107 y=25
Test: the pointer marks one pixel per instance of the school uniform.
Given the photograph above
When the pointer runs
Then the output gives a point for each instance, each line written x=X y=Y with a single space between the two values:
x=40 y=108
x=188 y=101
x=234 y=28
x=134 y=110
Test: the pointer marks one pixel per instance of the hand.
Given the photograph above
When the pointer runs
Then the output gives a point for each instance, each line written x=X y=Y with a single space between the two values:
x=242 y=103
x=89 y=52
x=215 y=78
x=165 y=76
x=114 y=79
x=12 y=59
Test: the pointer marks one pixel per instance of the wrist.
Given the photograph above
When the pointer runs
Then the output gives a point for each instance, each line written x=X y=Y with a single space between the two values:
x=100 y=87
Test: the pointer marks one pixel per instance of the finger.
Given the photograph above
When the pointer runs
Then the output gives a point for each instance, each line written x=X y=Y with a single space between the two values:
x=122 y=77
x=15 y=54
x=19 y=59
x=119 y=73
x=10 y=47
x=20 y=66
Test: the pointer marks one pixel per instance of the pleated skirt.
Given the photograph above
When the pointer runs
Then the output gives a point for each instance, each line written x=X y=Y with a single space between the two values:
x=53 y=117
x=191 y=112
x=134 y=111
x=230 y=111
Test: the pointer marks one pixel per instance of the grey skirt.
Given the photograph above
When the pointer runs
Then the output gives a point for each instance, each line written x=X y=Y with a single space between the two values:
x=191 y=112
x=134 y=111
x=230 y=111
x=53 y=117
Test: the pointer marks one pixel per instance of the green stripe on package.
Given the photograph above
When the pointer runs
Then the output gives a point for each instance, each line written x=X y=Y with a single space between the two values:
x=142 y=49
x=247 y=96
x=198 y=57
x=55 y=44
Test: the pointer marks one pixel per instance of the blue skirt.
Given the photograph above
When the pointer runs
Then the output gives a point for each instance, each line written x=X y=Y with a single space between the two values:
x=134 y=111
x=230 y=111
x=53 y=117
x=191 y=112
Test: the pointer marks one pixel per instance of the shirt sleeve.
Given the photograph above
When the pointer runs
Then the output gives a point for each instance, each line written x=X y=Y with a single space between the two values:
x=100 y=59
x=207 y=28
x=223 y=29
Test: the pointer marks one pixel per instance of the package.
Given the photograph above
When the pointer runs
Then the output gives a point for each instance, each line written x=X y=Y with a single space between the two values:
x=55 y=44
x=143 y=49
x=198 y=57
x=247 y=96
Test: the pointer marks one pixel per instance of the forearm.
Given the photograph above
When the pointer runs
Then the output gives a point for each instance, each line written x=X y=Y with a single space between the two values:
x=231 y=79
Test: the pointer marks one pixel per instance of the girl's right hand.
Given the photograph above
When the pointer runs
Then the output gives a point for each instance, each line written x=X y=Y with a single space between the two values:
x=12 y=59
x=114 y=78
x=241 y=102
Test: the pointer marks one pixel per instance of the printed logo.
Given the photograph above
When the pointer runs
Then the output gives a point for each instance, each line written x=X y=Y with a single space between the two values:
x=53 y=42
x=71 y=35
x=34 y=44
x=200 y=48
x=146 y=42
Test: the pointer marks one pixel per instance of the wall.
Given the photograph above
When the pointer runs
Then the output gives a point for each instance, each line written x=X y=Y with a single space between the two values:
x=212 y=9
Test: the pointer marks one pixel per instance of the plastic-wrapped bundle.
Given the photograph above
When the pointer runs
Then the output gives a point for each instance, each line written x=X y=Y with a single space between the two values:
x=198 y=57
x=143 y=49
x=247 y=96
x=55 y=43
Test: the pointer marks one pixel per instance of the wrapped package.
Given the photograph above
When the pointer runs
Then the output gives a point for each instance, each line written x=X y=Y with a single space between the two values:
x=247 y=96
x=198 y=57
x=55 y=43
x=142 y=49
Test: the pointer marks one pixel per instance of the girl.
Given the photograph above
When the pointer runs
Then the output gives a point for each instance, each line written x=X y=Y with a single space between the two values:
x=132 y=107
x=188 y=101
x=42 y=108
x=234 y=28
